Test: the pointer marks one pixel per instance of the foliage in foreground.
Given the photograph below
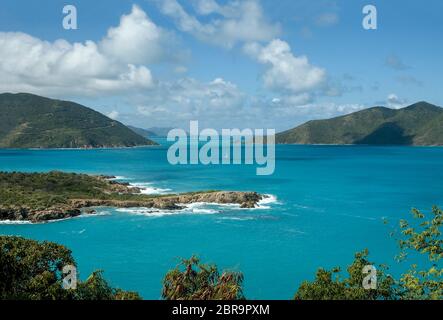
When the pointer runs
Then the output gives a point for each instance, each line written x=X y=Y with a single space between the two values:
x=191 y=280
x=328 y=285
x=31 y=270
x=424 y=236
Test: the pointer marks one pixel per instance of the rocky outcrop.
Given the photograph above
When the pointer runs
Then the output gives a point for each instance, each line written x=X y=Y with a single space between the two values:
x=176 y=202
x=172 y=202
x=113 y=186
x=27 y=214
x=244 y=199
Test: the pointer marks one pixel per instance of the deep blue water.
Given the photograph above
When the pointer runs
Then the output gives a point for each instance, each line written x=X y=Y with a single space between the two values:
x=331 y=203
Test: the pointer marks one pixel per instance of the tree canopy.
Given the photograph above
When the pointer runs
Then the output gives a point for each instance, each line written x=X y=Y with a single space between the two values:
x=423 y=236
x=192 y=280
x=32 y=270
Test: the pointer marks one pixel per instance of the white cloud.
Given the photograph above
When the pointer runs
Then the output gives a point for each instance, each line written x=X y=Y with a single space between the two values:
x=217 y=104
x=119 y=64
x=221 y=104
x=113 y=114
x=188 y=99
x=137 y=39
x=115 y=64
x=394 y=102
x=236 y=22
x=285 y=70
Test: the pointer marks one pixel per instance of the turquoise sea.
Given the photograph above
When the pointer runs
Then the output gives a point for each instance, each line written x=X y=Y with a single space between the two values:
x=329 y=202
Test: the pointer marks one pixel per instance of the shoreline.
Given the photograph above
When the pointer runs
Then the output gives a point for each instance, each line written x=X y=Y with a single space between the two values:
x=167 y=203
x=196 y=208
x=77 y=149
x=277 y=144
x=97 y=191
x=359 y=145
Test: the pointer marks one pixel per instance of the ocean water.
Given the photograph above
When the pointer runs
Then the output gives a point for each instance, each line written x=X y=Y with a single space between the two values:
x=327 y=203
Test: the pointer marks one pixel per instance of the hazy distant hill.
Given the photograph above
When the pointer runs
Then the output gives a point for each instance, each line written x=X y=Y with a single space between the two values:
x=160 y=132
x=418 y=124
x=31 y=121
x=143 y=132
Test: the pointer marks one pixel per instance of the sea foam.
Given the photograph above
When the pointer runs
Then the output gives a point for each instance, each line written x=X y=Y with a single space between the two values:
x=267 y=201
x=145 y=187
x=148 y=189
x=200 y=208
x=14 y=222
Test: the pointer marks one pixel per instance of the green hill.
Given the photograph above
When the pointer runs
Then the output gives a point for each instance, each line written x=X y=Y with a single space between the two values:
x=30 y=121
x=418 y=124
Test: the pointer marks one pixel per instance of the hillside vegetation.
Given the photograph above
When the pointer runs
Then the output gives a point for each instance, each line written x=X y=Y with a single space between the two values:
x=30 y=121
x=419 y=124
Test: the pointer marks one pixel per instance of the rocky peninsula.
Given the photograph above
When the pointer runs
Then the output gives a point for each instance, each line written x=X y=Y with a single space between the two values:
x=43 y=197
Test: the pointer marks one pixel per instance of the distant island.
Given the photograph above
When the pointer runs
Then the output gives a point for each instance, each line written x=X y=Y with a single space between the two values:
x=420 y=124
x=41 y=197
x=31 y=121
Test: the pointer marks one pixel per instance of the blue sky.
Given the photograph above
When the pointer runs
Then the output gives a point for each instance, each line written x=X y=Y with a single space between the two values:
x=251 y=63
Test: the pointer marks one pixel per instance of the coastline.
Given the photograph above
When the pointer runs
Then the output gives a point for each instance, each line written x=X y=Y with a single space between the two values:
x=277 y=144
x=359 y=145
x=94 y=148
x=195 y=208
x=104 y=191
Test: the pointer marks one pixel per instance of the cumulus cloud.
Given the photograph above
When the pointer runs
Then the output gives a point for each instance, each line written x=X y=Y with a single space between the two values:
x=285 y=70
x=137 y=39
x=221 y=104
x=187 y=99
x=115 y=64
x=233 y=23
x=119 y=64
